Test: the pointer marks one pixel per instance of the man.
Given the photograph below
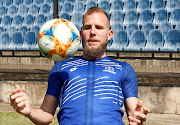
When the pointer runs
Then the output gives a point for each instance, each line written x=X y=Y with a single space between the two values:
x=90 y=89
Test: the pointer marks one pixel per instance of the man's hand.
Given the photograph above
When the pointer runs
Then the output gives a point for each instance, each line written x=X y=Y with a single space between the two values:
x=138 y=117
x=20 y=101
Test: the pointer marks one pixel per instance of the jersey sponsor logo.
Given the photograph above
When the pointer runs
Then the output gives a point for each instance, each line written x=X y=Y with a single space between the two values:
x=73 y=69
x=109 y=69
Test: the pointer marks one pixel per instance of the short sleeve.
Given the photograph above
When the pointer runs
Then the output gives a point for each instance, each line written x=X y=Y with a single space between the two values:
x=129 y=82
x=54 y=81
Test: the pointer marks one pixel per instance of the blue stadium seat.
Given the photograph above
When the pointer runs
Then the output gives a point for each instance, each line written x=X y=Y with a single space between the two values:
x=164 y=27
x=45 y=8
x=143 y=4
x=175 y=17
x=90 y=4
x=71 y=1
x=130 y=17
x=31 y=40
x=17 y=40
x=23 y=29
x=67 y=8
x=120 y=41
x=28 y=2
x=2 y=29
x=40 y=19
x=8 y=2
x=11 y=29
x=172 y=41
x=12 y=10
x=17 y=2
x=35 y=29
x=39 y=2
x=116 y=27
x=6 y=20
x=161 y=16
x=116 y=17
x=65 y=16
x=28 y=20
x=131 y=27
x=155 y=40
x=23 y=9
x=137 y=41
x=147 y=27
x=128 y=5
x=33 y=9
x=172 y=4
x=105 y=5
x=17 y=21
x=3 y=10
x=116 y=5
x=146 y=16
x=49 y=17
x=5 y=41
x=77 y=19
x=79 y=6
x=157 y=4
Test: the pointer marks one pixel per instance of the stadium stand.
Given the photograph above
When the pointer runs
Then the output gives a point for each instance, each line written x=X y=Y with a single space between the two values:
x=146 y=16
x=17 y=21
x=129 y=5
x=143 y=4
x=79 y=6
x=116 y=27
x=130 y=17
x=17 y=40
x=116 y=17
x=28 y=2
x=148 y=27
x=65 y=16
x=161 y=16
x=105 y=5
x=3 y=10
x=8 y=2
x=12 y=10
x=67 y=7
x=30 y=40
x=17 y=2
x=131 y=27
x=157 y=4
x=175 y=17
x=33 y=9
x=172 y=4
x=77 y=19
x=164 y=27
x=23 y=9
x=116 y=5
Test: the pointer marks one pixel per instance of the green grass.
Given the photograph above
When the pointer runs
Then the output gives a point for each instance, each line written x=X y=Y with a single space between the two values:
x=13 y=118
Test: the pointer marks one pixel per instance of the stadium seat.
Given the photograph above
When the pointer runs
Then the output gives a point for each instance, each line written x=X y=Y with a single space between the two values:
x=116 y=27
x=35 y=29
x=40 y=19
x=143 y=4
x=2 y=29
x=5 y=41
x=3 y=10
x=45 y=8
x=105 y=5
x=90 y=4
x=161 y=16
x=17 y=21
x=116 y=5
x=22 y=9
x=155 y=40
x=31 y=40
x=12 y=10
x=49 y=17
x=17 y=40
x=146 y=16
x=17 y=2
x=116 y=17
x=39 y=2
x=65 y=16
x=8 y=2
x=129 y=5
x=175 y=17
x=33 y=9
x=77 y=19
x=130 y=17
x=164 y=27
x=137 y=41
x=61 y=1
x=67 y=8
x=120 y=41
x=147 y=27
x=28 y=2
x=11 y=29
x=28 y=20
x=79 y=6
x=157 y=4
x=172 y=4
x=172 y=41
x=131 y=27
x=23 y=29
x=71 y=1
x=6 y=20
x=48 y=2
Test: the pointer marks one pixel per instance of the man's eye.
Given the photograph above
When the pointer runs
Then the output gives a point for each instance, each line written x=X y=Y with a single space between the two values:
x=86 y=27
x=99 y=27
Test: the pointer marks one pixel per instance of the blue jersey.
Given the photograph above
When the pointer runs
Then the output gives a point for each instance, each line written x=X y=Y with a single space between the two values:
x=92 y=92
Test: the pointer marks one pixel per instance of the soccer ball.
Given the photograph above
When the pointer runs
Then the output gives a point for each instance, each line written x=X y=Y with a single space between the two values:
x=58 y=39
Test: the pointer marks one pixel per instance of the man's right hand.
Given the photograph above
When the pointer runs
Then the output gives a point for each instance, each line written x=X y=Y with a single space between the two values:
x=20 y=101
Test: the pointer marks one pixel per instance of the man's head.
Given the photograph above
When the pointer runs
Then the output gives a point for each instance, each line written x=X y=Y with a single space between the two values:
x=96 y=33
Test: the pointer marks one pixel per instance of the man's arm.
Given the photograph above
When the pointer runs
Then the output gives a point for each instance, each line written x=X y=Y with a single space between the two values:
x=133 y=109
x=42 y=115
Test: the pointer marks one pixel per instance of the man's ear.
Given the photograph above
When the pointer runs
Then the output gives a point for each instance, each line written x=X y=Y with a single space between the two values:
x=110 y=34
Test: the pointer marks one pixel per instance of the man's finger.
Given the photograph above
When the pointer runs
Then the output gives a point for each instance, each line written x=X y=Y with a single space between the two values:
x=16 y=90
x=139 y=106
x=146 y=110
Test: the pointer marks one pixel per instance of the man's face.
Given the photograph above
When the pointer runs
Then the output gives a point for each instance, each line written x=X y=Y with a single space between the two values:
x=95 y=34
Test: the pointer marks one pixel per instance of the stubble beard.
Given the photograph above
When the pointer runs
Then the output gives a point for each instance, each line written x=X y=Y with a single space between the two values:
x=93 y=52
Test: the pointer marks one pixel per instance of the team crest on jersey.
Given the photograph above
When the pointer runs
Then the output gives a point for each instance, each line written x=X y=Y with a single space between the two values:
x=109 y=69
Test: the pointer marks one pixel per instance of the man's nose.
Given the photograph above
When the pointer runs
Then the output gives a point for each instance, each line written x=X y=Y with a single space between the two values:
x=93 y=31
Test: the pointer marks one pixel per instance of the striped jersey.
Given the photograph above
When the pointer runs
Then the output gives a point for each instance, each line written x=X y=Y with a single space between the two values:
x=91 y=92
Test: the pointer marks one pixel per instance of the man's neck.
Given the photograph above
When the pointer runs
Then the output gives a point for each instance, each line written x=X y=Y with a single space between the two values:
x=94 y=58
